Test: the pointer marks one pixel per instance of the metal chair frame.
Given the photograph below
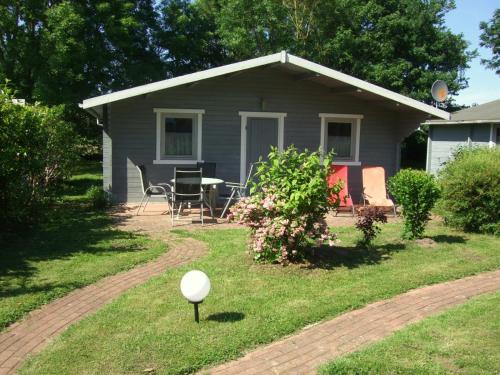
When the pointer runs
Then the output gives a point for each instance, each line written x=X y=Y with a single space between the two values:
x=199 y=200
x=149 y=190
x=238 y=190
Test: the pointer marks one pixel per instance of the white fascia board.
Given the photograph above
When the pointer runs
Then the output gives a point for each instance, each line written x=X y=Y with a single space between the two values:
x=462 y=122
x=182 y=80
x=340 y=115
x=280 y=57
x=363 y=85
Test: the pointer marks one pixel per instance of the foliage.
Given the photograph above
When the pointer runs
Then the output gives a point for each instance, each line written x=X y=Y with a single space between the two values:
x=252 y=304
x=402 y=45
x=461 y=340
x=99 y=198
x=470 y=185
x=37 y=154
x=64 y=51
x=490 y=37
x=417 y=192
x=368 y=217
x=289 y=198
x=187 y=38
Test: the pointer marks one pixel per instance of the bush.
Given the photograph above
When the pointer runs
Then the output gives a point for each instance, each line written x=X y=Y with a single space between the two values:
x=470 y=185
x=368 y=217
x=37 y=151
x=417 y=192
x=288 y=202
x=99 y=198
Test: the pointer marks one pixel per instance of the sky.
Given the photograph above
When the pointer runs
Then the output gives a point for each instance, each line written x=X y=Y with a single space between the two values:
x=484 y=84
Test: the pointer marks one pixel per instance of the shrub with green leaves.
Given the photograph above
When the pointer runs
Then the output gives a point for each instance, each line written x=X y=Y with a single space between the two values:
x=290 y=196
x=470 y=185
x=98 y=198
x=416 y=192
x=37 y=151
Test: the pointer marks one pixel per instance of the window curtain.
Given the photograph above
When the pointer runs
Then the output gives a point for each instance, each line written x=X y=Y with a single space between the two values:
x=179 y=136
x=339 y=138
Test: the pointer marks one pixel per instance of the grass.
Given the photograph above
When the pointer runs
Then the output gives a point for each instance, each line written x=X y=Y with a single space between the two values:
x=152 y=326
x=73 y=246
x=464 y=340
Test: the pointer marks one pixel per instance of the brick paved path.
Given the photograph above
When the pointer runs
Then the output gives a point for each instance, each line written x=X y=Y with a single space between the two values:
x=33 y=333
x=304 y=352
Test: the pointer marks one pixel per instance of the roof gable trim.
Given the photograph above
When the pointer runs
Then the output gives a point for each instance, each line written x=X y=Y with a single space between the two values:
x=281 y=57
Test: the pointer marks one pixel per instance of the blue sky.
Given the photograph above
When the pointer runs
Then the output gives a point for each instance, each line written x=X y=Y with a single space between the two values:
x=484 y=84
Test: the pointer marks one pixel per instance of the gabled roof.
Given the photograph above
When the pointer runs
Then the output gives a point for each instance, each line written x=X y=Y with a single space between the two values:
x=484 y=113
x=283 y=58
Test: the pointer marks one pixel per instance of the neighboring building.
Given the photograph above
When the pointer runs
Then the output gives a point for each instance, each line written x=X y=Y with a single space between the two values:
x=475 y=126
x=230 y=115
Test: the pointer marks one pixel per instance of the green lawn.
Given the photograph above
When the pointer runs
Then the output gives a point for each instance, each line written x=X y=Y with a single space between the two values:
x=152 y=326
x=73 y=246
x=464 y=340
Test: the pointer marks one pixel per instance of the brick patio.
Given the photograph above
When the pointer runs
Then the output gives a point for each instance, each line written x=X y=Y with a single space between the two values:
x=305 y=352
x=156 y=219
x=36 y=331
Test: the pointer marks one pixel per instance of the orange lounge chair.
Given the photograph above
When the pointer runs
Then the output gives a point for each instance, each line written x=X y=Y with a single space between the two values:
x=374 y=192
x=340 y=172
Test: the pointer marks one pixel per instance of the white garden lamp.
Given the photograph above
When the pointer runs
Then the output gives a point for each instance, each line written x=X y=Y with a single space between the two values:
x=195 y=286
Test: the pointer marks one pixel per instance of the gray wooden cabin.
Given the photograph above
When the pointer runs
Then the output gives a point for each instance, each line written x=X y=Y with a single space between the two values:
x=230 y=115
x=475 y=126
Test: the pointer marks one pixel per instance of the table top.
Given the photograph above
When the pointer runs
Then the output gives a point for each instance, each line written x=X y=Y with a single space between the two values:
x=207 y=181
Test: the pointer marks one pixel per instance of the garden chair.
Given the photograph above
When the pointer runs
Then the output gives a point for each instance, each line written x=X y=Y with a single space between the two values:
x=187 y=190
x=374 y=191
x=149 y=190
x=340 y=173
x=238 y=191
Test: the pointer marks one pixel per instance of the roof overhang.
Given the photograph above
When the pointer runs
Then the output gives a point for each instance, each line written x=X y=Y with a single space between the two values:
x=463 y=122
x=277 y=58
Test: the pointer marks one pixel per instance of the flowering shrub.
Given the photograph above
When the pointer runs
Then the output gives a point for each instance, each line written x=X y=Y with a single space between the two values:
x=289 y=199
x=368 y=217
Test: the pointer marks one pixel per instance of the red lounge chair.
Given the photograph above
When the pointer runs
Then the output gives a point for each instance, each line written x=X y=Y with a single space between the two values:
x=374 y=192
x=340 y=172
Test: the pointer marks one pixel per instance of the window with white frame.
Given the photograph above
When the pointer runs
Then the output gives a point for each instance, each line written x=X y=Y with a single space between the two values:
x=178 y=135
x=341 y=133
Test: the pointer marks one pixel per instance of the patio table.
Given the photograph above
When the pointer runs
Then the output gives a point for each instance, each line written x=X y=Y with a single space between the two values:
x=210 y=196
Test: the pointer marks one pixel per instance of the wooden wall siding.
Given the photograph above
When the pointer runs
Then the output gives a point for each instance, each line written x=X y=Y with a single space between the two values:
x=133 y=125
x=446 y=139
x=107 y=152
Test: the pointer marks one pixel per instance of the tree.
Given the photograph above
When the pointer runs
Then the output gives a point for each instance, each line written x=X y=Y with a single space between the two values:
x=490 y=37
x=186 y=38
x=61 y=52
x=65 y=51
x=402 y=45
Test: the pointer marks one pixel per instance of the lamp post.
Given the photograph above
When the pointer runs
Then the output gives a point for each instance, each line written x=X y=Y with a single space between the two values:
x=195 y=286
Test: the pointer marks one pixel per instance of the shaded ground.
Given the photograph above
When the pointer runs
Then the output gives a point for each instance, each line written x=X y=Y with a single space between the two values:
x=72 y=246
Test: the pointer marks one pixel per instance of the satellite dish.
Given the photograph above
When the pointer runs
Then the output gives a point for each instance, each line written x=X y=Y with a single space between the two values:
x=439 y=91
